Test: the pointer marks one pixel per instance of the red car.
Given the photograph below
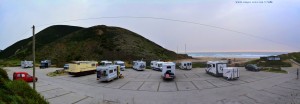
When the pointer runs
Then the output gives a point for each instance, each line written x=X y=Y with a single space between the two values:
x=23 y=76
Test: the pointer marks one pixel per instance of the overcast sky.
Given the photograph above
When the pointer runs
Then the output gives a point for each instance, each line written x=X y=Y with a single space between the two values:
x=273 y=25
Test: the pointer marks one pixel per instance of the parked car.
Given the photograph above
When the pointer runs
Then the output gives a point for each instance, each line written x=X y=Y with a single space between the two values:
x=23 y=76
x=252 y=67
x=66 y=66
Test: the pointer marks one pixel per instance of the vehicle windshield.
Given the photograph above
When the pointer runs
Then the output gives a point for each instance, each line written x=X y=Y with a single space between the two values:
x=159 y=65
x=121 y=64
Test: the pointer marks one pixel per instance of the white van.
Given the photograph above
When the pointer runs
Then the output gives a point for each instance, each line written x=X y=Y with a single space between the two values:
x=156 y=65
x=105 y=63
x=220 y=69
x=186 y=65
x=26 y=64
x=121 y=63
x=108 y=73
x=168 y=70
x=139 y=65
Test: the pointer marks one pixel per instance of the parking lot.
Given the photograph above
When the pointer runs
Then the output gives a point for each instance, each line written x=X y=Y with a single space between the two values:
x=189 y=87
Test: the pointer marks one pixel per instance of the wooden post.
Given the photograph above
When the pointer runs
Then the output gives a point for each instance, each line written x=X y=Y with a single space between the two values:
x=297 y=73
x=33 y=55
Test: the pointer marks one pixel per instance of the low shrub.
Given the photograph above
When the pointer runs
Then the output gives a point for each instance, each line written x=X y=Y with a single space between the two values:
x=273 y=69
x=3 y=74
x=57 y=73
x=17 y=92
x=199 y=64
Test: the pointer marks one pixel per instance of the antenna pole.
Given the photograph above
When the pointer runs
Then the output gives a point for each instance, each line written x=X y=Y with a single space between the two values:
x=185 y=48
x=33 y=54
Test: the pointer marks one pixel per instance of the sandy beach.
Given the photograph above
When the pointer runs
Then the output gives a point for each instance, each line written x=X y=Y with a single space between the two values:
x=205 y=59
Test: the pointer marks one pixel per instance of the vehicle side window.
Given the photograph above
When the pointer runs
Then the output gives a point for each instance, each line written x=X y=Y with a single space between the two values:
x=19 y=75
x=214 y=65
x=208 y=65
x=168 y=67
x=111 y=71
x=183 y=64
x=23 y=75
x=115 y=69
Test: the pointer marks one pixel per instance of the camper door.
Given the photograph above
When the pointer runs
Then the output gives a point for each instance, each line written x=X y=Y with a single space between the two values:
x=220 y=67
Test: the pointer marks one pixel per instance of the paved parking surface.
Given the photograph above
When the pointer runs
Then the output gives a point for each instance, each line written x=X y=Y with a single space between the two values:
x=189 y=87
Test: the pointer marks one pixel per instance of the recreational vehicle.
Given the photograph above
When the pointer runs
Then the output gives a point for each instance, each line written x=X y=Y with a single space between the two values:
x=79 y=67
x=139 y=65
x=26 y=64
x=168 y=70
x=45 y=63
x=220 y=69
x=156 y=65
x=105 y=63
x=121 y=63
x=186 y=65
x=108 y=73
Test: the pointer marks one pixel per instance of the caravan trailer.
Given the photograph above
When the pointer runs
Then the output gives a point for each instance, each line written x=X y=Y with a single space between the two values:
x=220 y=69
x=168 y=70
x=108 y=73
x=156 y=65
x=139 y=65
x=78 y=67
x=121 y=63
x=26 y=64
x=186 y=65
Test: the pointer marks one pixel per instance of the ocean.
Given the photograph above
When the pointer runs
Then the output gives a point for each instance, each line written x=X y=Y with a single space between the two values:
x=235 y=54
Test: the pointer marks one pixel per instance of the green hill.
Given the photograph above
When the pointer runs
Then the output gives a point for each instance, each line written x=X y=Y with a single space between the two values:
x=295 y=56
x=23 y=47
x=63 y=44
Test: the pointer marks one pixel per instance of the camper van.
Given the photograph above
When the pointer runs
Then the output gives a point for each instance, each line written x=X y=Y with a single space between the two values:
x=45 y=64
x=78 y=67
x=105 y=63
x=26 y=64
x=186 y=65
x=121 y=63
x=168 y=70
x=220 y=69
x=108 y=72
x=156 y=65
x=139 y=65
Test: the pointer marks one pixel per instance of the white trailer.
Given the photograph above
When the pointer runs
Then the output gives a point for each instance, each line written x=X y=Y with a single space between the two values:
x=139 y=65
x=156 y=65
x=121 y=63
x=26 y=64
x=108 y=73
x=231 y=73
x=220 y=69
x=186 y=65
x=168 y=70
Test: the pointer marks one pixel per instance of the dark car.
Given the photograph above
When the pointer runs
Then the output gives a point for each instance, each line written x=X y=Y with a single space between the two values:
x=252 y=67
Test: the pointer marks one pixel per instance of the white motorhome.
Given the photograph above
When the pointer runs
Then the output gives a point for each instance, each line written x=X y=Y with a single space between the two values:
x=121 y=63
x=168 y=70
x=220 y=69
x=26 y=64
x=105 y=63
x=156 y=65
x=139 y=65
x=186 y=65
x=108 y=73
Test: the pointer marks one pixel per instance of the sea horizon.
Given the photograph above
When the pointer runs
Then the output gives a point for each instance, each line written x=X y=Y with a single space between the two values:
x=234 y=54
